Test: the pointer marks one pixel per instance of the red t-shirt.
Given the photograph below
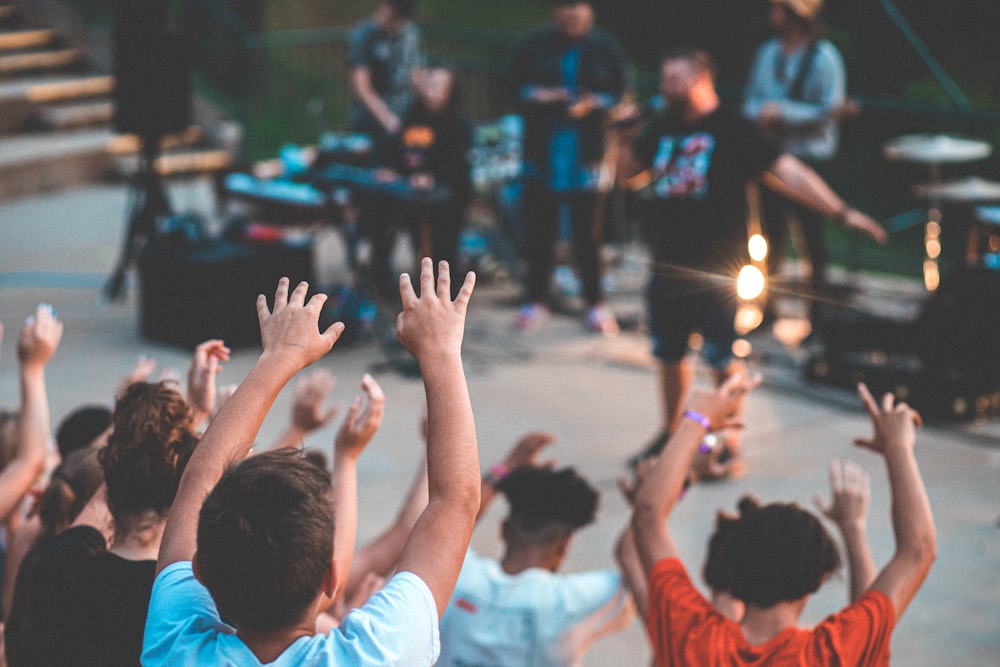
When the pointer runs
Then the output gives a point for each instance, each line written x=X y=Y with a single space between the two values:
x=687 y=630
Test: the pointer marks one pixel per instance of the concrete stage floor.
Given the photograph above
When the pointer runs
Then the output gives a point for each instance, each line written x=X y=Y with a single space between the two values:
x=598 y=397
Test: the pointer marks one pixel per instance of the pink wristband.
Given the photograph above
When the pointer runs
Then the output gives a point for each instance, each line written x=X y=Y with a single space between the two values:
x=497 y=472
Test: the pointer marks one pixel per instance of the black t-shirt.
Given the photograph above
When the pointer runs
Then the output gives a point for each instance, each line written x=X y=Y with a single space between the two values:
x=700 y=173
x=437 y=144
x=390 y=60
x=84 y=606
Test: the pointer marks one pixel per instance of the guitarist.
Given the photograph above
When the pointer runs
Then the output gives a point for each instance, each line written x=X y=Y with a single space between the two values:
x=796 y=94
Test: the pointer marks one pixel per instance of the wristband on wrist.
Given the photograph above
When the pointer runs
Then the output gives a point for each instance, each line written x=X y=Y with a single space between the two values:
x=496 y=474
x=841 y=215
x=699 y=419
x=708 y=443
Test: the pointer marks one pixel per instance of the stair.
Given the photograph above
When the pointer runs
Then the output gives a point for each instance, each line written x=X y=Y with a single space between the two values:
x=56 y=111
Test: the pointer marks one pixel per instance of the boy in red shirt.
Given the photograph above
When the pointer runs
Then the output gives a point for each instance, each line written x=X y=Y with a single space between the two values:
x=779 y=556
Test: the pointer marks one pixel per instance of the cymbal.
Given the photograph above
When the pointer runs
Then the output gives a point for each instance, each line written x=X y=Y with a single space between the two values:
x=936 y=149
x=970 y=189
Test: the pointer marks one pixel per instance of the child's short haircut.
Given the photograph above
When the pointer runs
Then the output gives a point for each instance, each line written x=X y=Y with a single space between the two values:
x=780 y=552
x=265 y=540
x=717 y=573
x=546 y=505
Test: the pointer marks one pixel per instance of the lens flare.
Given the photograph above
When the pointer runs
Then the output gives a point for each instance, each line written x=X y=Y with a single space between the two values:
x=757 y=245
x=750 y=283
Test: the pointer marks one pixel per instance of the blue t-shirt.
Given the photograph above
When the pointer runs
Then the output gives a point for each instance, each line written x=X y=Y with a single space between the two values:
x=397 y=626
x=536 y=617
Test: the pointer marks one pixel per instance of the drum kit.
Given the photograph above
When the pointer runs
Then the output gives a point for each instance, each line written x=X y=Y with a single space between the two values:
x=935 y=151
x=945 y=361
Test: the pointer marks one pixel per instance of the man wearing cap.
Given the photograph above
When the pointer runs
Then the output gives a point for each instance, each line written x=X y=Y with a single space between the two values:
x=796 y=94
x=565 y=78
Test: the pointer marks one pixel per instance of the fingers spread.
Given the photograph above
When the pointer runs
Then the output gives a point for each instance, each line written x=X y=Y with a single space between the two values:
x=867 y=400
x=465 y=293
x=281 y=295
x=444 y=281
x=299 y=294
x=426 y=277
x=406 y=293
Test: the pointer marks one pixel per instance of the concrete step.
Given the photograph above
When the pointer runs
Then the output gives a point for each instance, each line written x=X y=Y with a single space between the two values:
x=125 y=144
x=178 y=162
x=35 y=163
x=13 y=65
x=19 y=97
x=74 y=114
x=26 y=39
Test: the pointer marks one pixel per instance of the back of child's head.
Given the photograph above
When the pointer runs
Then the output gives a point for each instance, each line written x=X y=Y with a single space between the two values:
x=716 y=572
x=81 y=427
x=265 y=540
x=547 y=505
x=72 y=484
x=780 y=552
x=151 y=441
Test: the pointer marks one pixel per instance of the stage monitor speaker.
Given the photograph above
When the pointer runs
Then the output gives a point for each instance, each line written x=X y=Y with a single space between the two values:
x=191 y=294
x=152 y=69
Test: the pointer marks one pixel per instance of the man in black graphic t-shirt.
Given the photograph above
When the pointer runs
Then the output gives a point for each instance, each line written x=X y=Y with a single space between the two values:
x=699 y=157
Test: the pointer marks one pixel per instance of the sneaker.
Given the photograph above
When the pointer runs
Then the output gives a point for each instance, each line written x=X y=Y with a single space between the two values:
x=531 y=317
x=601 y=320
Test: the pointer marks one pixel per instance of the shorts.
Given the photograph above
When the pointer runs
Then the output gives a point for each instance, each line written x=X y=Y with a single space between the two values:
x=678 y=308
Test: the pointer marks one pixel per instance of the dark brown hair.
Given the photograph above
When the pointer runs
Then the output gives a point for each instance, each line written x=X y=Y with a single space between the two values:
x=265 y=539
x=151 y=441
x=780 y=552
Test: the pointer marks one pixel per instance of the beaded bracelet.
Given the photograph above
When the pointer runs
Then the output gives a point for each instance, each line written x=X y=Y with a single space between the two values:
x=496 y=474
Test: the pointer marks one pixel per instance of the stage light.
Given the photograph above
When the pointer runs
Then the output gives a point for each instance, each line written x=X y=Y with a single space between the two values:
x=750 y=283
x=748 y=317
x=742 y=348
x=933 y=248
x=757 y=245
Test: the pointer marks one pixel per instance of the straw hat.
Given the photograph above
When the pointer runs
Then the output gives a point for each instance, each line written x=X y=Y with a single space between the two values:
x=806 y=9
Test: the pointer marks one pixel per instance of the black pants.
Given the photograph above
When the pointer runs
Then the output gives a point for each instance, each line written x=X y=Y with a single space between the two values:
x=386 y=220
x=541 y=218
x=776 y=210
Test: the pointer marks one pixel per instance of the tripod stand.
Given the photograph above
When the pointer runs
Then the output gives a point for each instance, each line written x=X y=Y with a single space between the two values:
x=147 y=201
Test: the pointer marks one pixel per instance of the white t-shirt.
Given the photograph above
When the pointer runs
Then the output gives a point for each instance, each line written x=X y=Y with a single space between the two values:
x=532 y=619
x=397 y=626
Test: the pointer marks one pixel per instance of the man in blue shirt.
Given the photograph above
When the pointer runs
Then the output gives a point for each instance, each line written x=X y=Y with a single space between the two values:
x=564 y=78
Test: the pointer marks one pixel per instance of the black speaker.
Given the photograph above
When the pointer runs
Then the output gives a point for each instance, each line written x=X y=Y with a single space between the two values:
x=191 y=294
x=152 y=68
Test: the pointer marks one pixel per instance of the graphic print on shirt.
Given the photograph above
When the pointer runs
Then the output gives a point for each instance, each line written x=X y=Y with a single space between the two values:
x=681 y=165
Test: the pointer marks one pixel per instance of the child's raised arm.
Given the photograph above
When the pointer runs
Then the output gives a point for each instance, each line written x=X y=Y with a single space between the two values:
x=291 y=340
x=431 y=327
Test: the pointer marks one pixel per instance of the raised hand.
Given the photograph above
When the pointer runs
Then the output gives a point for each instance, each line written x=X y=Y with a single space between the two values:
x=894 y=424
x=290 y=333
x=362 y=420
x=40 y=338
x=309 y=410
x=140 y=372
x=205 y=365
x=850 y=495
x=721 y=404
x=525 y=452
x=432 y=324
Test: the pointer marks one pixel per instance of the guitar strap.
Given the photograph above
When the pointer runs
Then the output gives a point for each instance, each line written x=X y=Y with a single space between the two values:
x=795 y=92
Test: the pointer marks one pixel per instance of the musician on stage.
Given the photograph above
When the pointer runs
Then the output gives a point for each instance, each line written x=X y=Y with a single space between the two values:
x=384 y=55
x=432 y=151
x=699 y=156
x=796 y=95
x=564 y=79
